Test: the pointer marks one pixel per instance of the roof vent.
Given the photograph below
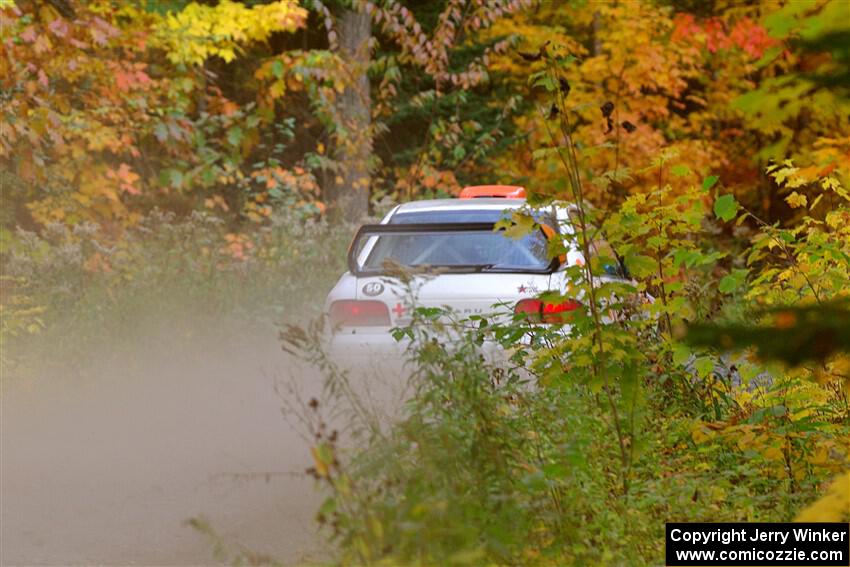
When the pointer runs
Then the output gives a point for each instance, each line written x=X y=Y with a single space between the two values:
x=503 y=191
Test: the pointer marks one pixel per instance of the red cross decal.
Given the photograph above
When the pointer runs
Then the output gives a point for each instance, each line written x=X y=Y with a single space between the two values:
x=398 y=310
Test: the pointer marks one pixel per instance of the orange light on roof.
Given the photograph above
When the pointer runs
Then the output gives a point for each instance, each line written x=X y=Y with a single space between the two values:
x=503 y=191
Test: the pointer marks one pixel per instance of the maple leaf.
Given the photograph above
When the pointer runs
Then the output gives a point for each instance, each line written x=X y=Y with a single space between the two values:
x=796 y=200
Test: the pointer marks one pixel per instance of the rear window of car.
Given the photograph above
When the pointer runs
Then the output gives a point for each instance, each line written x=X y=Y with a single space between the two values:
x=472 y=250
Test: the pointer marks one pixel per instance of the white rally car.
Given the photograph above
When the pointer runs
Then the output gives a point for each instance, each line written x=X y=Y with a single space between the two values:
x=475 y=269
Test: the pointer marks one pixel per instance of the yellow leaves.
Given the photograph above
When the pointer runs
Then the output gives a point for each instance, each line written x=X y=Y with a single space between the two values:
x=375 y=527
x=277 y=89
x=819 y=457
x=102 y=137
x=216 y=201
x=198 y=32
x=773 y=453
x=700 y=433
x=320 y=463
x=257 y=212
x=834 y=506
x=840 y=366
x=796 y=200
x=837 y=219
x=295 y=71
x=18 y=312
x=777 y=450
x=833 y=372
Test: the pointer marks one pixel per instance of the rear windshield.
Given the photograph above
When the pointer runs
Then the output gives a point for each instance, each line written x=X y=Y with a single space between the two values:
x=473 y=251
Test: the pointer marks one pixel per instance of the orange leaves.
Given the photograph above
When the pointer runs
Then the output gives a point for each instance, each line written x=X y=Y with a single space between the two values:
x=684 y=26
x=276 y=186
x=417 y=180
x=128 y=77
x=97 y=263
x=238 y=246
x=297 y=180
x=216 y=201
x=125 y=177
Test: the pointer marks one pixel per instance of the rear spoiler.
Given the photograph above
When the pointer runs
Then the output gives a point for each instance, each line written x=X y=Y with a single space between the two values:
x=414 y=228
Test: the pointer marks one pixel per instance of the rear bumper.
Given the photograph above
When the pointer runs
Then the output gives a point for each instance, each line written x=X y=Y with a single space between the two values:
x=364 y=348
x=380 y=350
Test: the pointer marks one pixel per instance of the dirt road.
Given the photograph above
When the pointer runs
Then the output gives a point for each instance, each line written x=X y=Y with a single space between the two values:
x=106 y=465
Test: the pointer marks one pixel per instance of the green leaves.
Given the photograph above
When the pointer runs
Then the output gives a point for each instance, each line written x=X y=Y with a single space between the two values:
x=680 y=170
x=277 y=68
x=640 y=266
x=544 y=153
x=709 y=182
x=704 y=365
x=733 y=281
x=234 y=136
x=725 y=207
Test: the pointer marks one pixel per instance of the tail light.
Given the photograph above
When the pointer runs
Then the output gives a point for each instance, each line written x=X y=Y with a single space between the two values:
x=542 y=312
x=352 y=313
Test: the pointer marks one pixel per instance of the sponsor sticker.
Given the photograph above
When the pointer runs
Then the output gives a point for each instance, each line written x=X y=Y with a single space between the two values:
x=373 y=288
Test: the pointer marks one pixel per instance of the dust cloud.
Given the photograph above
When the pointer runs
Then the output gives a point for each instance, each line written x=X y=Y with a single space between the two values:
x=104 y=464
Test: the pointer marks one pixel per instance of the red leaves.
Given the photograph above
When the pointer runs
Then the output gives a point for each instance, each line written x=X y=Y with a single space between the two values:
x=684 y=26
x=751 y=37
x=716 y=35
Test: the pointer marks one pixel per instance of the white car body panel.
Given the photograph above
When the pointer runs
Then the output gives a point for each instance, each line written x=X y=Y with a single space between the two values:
x=464 y=293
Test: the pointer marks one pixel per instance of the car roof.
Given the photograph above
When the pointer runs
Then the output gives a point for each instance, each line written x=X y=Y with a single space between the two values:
x=491 y=204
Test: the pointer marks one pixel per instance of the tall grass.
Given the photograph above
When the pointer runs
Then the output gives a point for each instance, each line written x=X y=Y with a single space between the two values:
x=488 y=466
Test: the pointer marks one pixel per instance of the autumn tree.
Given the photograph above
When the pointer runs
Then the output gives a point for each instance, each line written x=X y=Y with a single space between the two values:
x=349 y=192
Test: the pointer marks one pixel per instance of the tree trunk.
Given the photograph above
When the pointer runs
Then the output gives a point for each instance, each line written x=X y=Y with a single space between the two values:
x=348 y=192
